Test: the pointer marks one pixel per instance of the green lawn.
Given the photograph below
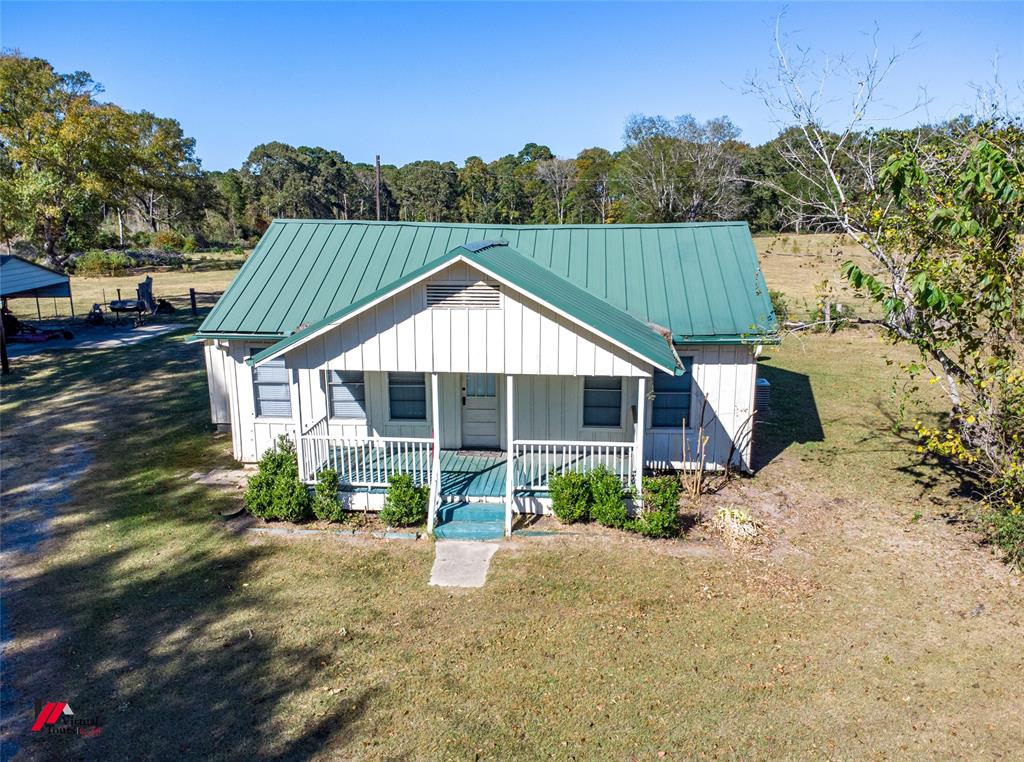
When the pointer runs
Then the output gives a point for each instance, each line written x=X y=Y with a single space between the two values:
x=856 y=633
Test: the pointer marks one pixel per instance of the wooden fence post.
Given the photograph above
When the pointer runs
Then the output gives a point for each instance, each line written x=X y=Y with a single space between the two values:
x=192 y=300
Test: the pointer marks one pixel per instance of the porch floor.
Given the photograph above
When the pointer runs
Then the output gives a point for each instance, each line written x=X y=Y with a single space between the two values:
x=472 y=474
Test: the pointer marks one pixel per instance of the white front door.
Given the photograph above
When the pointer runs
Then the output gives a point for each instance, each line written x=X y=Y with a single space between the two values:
x=480 y=411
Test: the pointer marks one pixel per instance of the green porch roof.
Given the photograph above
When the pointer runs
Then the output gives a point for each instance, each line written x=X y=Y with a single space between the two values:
x=509 y=265
x=701 y=281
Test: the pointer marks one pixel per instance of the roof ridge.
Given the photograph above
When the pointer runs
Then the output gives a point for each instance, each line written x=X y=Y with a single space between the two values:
x=532 y=226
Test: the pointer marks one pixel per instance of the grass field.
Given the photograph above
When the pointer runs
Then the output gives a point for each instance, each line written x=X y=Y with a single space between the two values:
x=868 y=627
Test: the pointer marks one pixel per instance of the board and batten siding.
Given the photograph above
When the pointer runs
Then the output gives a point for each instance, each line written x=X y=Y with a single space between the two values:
x=218 y=368
x=522 y=337
x=723 y=376
x=548 y=354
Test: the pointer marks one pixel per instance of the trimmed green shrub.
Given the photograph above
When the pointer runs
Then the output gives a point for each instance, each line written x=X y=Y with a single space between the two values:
x=326 y=505
x=570 y=496
x=607 y=506
x=660 y=514
x=275 y=491
x=405 y=504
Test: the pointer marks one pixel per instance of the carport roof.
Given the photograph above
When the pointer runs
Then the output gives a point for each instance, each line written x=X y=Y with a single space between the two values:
x=19 y=277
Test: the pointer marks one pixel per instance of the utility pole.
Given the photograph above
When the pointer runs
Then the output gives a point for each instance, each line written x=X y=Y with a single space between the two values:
x=377 y=162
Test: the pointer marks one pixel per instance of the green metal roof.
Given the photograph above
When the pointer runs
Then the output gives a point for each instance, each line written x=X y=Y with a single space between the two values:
x=506 y=264
x=701 y=281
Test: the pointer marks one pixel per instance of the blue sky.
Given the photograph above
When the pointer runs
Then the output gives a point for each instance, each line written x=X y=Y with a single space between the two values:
x=447 y=81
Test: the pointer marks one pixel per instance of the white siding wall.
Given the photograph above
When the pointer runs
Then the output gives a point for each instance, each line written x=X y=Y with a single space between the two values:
x=218 y=367
x=251 y=436
x=724 y=377
x=548 y=355
x=551 y=407
x=523 y=337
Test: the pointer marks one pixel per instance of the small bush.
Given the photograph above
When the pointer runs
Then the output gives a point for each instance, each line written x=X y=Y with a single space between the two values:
x=167 y=240
x=780 y=305
x=1008 y=533
x=274 y=491
x=405 y=504
x=607 y=506
x=142 y=238
x=660 y=514
x=326 y=505
x=570 y=496
x=238 y=251
x=95 y=263
x=842 y=316
x=190 y=246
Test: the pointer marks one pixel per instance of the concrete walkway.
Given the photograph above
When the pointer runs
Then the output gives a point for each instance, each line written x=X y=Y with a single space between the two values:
x=461 y=564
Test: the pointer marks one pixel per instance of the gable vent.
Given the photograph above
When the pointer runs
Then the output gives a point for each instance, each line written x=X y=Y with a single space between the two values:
x=474 y=296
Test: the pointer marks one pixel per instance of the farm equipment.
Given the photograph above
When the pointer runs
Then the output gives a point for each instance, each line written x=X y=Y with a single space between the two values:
x=15 y=330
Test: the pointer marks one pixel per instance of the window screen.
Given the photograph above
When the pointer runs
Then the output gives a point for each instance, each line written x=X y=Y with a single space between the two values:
x=602 y=401
x=271 y=391
x=671 y=404
x=347 y=393
x=481 y=385
x=407 y=395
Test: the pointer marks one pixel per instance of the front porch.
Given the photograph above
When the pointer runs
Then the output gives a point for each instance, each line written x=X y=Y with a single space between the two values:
x=508 y=471
x=369 y=463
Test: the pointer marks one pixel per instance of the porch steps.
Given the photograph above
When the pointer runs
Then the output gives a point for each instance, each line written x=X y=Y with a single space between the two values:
x=470 y=521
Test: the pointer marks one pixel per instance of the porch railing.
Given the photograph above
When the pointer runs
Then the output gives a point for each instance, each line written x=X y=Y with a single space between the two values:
x=365 y=461
x=536 y=460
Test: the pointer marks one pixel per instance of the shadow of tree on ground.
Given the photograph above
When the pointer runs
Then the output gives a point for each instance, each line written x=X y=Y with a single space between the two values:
x=133 y=607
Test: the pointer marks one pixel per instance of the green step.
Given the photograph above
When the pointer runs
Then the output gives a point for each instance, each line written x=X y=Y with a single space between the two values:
x=471 y=512
x=470 y=530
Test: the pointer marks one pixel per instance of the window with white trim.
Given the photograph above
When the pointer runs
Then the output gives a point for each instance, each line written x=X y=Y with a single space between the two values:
x=672 y=395
x=272 y=389
x=407 y=396
x=602 y=401
x=346 y=392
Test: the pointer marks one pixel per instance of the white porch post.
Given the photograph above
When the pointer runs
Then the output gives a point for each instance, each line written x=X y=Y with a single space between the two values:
x=509 y=454
x=638 y=434
x=435 y=466
x=295 y=391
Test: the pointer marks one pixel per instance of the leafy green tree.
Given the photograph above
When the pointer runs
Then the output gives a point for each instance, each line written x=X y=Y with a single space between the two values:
x=478 y=192
x=63 y=153
x=591 y=198
x=427 y=191
x=945 y=228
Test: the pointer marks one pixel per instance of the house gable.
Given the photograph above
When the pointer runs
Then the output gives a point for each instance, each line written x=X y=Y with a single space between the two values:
x=522 y=335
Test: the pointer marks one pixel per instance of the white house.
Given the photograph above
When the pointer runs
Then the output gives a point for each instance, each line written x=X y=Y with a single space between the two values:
x=482 y=359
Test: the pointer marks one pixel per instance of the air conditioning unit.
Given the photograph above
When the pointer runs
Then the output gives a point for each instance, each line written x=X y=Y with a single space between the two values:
x=763 y=398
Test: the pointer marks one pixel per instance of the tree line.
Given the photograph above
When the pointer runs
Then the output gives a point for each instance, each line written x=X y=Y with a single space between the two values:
x=76 y=172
